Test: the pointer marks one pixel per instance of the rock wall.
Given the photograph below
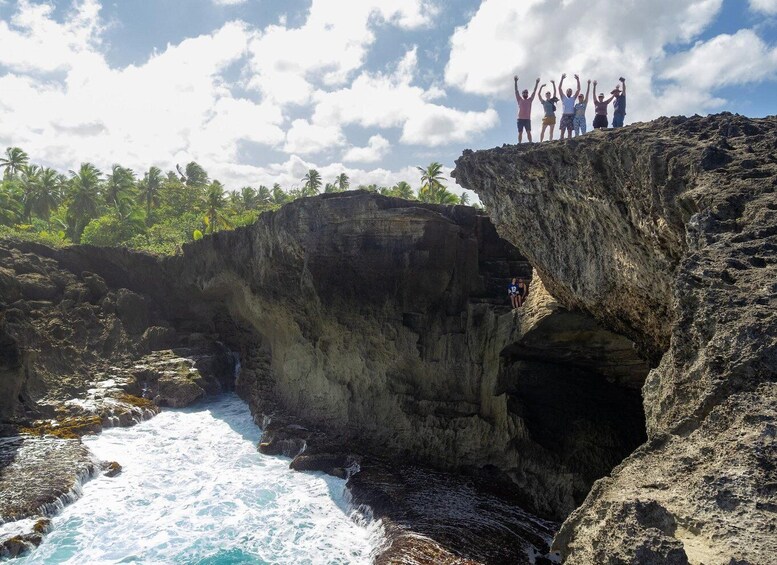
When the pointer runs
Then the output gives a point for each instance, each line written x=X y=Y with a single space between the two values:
x=665 y=232
x=381 y=323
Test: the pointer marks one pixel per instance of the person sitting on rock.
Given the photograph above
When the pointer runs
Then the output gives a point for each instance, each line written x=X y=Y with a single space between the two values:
x=524 y=109
x=523 y=292
x=619 y=106
x=549 y=106
x=568 y=108
x=580 y=107
x=600 y=104
x=512 y=292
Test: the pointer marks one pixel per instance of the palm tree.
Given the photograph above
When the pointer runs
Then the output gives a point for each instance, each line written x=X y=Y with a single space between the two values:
x=279 y=196
x=119 y=185
x=464 y=198
x=13 y=161
x=330 y=187
x=248 y=199
x=214 y=204
x=196 y=175
x=403 y=190
x=150 y=189
x=84 y=198
x=312 y=182
x=47 y=194
x=28 y=182
x=263 y=196
x=343 y=182
x=431 y=182
x=10 y=203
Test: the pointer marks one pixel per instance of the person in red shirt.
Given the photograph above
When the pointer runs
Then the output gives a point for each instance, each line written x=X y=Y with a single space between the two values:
x=524 y=109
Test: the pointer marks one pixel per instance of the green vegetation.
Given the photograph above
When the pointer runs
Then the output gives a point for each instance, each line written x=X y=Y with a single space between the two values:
x=155 y=211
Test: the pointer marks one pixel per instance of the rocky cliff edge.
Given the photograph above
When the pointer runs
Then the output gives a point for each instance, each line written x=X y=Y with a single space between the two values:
x=665 y=232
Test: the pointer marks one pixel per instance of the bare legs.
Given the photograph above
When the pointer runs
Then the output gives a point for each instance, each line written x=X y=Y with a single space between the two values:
x=542 y=132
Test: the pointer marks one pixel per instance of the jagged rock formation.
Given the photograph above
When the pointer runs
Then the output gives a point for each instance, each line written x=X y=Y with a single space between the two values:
x=377 y=323
x=665 y=232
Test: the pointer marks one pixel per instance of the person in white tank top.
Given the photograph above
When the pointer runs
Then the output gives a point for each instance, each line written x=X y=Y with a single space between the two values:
x=568 y=106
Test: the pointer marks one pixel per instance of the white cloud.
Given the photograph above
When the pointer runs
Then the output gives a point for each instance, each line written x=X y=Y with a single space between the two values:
x=306 y=138
x=376 y=149
x=723 y=60
x=328 y=48
x=392 y=100
x=228 y=2
x=764 y=6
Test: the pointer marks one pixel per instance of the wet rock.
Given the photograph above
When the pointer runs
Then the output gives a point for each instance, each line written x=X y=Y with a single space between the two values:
x=335 y=464
x=38 y=474
x=112 y=469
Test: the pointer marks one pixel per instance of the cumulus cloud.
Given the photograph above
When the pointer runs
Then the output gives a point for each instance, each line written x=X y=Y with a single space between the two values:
x=392 y=100
x=768 y=7
x=607 y=40
x=306 y=138
x=330 y=45
x=376 y=149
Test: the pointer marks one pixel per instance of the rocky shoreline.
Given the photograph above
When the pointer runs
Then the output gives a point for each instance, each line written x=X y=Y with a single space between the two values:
x=632 y=397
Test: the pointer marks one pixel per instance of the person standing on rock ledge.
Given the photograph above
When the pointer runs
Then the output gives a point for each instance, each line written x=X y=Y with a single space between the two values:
x=619 y=106
x=524 y=109
x=568 y=108
x=600 y=105
x=580 y=107
x=549 y=106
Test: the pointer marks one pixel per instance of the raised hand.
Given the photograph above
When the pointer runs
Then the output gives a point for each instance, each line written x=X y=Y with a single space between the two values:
x=577 y=77
x=515 y=77
x=564 y=75
x=537 y=81
x=595 y=83
x=589 y=81
x=543 y=85
x=552 y=81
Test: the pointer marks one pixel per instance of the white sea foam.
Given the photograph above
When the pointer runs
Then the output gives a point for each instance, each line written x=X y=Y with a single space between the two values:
x=194 y=490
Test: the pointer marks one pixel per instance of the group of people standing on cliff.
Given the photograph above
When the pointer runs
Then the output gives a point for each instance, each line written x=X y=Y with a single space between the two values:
x=573 y=106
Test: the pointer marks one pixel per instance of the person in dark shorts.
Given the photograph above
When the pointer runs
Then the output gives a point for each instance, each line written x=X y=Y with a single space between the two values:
x=568 y=107
x=524 y=109
x=600 y=105
x=549 y=108
x=619 y=105
x=513 y=293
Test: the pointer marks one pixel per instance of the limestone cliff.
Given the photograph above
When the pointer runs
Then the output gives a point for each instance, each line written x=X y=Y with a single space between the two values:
x=378 y=323
x=665 y=232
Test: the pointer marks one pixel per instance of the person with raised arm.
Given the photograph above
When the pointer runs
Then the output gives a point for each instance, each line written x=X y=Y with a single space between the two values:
x=619 y=106
x=600 y=104
x=524 y=109
x=580 y=107
x=567 y=107
x=549 y=107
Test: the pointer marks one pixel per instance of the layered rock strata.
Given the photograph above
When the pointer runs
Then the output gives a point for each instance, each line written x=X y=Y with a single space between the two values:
x=665 y=232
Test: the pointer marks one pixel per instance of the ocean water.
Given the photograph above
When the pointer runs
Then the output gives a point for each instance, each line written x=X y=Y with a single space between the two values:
x=194 y=489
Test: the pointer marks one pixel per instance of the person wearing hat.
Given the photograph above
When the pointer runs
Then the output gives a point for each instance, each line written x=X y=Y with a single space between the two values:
x=524 y=109
x=600 y=106
x=549 y=107
x=619 y=106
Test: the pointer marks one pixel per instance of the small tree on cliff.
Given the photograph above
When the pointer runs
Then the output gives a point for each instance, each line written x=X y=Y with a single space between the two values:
x=312 y=182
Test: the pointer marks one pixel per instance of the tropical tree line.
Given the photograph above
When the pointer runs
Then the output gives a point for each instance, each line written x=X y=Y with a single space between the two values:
x=156 y=210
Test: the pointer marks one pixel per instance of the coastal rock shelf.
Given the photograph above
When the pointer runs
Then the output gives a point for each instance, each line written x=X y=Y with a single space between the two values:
x=665 y=232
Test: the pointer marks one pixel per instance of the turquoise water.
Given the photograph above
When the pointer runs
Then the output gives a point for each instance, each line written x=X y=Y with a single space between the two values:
x=193 y=489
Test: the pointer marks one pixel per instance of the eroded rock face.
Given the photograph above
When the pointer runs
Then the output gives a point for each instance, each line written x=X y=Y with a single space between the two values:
x=665 y=232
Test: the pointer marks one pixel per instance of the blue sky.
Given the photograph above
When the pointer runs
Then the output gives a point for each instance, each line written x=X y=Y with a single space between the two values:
x=260 y=90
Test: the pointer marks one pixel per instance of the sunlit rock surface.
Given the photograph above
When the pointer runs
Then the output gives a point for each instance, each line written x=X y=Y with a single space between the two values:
x=665 y=232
